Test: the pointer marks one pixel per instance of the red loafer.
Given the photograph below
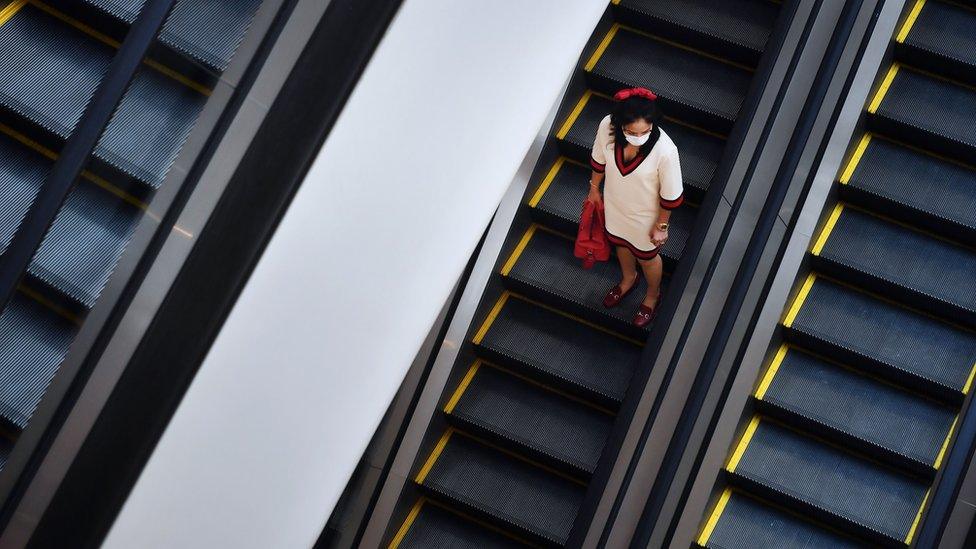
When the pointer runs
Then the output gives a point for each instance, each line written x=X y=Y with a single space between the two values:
x=616 y=294
x=646 y=314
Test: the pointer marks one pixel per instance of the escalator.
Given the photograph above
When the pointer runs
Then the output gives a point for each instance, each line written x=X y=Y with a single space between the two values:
x=851 y=420
x=535 y=389
x=52 y=58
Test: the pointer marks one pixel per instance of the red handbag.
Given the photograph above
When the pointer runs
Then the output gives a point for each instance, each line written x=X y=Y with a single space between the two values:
x=591 y=240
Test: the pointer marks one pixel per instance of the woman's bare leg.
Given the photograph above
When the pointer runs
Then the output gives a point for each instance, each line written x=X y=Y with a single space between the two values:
x=628 y=268
x=653 y=269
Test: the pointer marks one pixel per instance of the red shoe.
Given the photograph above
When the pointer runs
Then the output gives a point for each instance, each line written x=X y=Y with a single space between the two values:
x=616 y=294
x=646 y=314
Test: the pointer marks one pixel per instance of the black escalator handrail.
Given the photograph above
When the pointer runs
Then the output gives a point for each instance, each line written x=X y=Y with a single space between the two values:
x=744 y=275
x=79 y=146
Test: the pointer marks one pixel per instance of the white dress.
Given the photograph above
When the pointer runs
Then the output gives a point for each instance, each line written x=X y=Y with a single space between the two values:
x=634 y=191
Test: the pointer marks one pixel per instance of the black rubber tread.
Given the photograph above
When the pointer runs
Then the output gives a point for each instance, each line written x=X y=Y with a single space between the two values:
x=902 y=263
x=908 y=347
x=208 y=31
x=690 y=86
x=700 y=152
x=33 y=343
x=560 y=350
x=435 y=526
x=845 y=489
x=562 y=204
x=941 y=40
x=885 y=419
x=527 y=416
x=922 y=108
x=22 y=172
x=915 y=187
x=747 y=523
x=547 y=270
x=734 y=29
x=507 y=490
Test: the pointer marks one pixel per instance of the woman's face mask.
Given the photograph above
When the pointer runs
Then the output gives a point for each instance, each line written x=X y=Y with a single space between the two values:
x=637 y=141
x=637 y=136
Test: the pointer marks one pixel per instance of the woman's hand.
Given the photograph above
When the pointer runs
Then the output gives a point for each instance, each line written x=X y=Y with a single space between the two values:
x=595 y=196
x=658 y=236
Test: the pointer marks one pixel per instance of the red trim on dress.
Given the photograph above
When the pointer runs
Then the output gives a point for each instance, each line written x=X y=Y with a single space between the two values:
x=672 y=204
x=597 y=167
x=626 y=168
x=640 y=254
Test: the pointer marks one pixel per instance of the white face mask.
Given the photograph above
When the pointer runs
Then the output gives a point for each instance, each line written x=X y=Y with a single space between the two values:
x=637 y=141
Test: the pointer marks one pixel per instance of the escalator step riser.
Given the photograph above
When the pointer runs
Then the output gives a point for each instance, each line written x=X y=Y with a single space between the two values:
x=941 y=41
x=835 y=487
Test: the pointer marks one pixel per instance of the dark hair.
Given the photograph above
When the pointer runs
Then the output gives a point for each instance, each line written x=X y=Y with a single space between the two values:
x=636 y=108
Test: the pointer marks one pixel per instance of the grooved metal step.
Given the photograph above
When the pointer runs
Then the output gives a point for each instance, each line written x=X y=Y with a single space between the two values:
x=434 y=526
x=22 y=172
x=735 y=29
x=924 y=108
x=690 y=86
x=881 y=419
x=904 y=264
x=209 y=31
x=546 y=424
x=844 y=489
x=942 y=40
x=741 y=522
x=33 y=342
x=699 y=151
x=49 y=71
x=906 y=346
x=503 y=488
x=558 y=349
x=913 y=186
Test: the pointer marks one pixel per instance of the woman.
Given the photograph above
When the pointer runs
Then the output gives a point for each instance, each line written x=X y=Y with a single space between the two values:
x=643 y=185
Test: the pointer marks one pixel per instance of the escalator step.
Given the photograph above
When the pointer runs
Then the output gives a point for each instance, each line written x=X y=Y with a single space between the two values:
x=738 y=29
x=942 y=40
x=559 y=428
x=741 y=522
x=49 y=71
x=861 y=329
x=914 y=186
x=922 y=108
x=84 y=244
x=907 y=262
x=897 y=422
x=693 y=87
x=558 y=349
x=22 y=173
x=33 y=342
x=502 y=488
x=431 y=525
x=819 y=478
x=206 y=30
x=700 y=151
x=564 y=190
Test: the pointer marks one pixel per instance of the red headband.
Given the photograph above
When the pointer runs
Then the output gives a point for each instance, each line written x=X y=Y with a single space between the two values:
x=634 y=92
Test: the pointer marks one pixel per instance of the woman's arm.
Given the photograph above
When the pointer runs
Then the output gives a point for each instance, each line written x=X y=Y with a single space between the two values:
x=595 y=179
x=672 y=195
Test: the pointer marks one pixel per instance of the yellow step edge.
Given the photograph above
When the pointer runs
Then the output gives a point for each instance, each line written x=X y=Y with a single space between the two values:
x=918 y=518
x=945 y=444
x=432 y=458
x=714 y=517
x=740 y=449
x=519 y=248
x=969 y=382
x=906 y=27
x=492 y=315
x=883 y=88
x=862 y=146
x=544 y=186
x=827 y=229
x=573 y=115
x=602 y=47
x=407 y=523
x=798 y=301
x=162 y=69
x=11 y=9
x=463 y=386
x=771 y=371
